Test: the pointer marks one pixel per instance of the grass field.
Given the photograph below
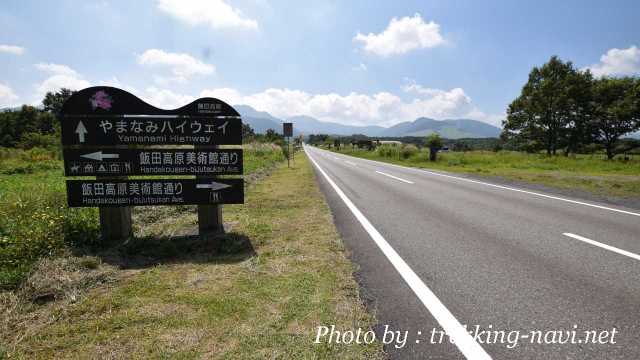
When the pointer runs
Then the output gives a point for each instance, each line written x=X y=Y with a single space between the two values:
x=583 y=172
x=34 y=219
x=279 y=273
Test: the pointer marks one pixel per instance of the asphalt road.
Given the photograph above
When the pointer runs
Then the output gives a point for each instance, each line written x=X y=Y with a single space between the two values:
x=436 y=251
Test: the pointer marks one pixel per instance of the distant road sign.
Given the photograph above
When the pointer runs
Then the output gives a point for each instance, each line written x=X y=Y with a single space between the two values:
x=142 y=130
x=287 y=129
x=110 y=193
x=124 y=162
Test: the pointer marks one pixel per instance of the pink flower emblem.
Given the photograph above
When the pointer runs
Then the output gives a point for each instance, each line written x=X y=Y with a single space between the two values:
x=101 y=100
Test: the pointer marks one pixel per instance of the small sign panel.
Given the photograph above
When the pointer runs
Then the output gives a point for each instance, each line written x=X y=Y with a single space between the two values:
x=287 y=129
x=124 y=162
x=113 y=192
x=151 y=131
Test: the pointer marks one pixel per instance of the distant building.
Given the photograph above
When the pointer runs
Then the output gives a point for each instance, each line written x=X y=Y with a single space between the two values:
x=389 y=142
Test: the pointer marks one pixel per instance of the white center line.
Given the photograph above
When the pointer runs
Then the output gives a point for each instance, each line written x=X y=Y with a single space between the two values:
x=394 y=177
x=604 y=246
x=463 y=340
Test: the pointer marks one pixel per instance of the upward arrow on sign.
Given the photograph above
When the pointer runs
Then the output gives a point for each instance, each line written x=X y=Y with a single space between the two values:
x=81 y=130
x=214 y=186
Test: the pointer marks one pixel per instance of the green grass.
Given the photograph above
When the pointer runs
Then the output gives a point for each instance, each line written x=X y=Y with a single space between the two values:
x=590 y=173
x=34 y=219
x=278 y=274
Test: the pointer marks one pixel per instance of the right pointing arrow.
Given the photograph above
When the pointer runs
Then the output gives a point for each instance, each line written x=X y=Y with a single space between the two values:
x=214 y=186
x=81 y=130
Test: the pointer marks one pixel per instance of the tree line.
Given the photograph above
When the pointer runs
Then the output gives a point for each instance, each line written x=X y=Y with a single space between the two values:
x=562 y=108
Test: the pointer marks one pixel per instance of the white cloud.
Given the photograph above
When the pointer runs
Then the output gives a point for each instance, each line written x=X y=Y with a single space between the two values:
x=7 y=96
x=215 y=13
x=12 y=49
x=402 y=36
x=618 y=62
x=182 y=66
x=62 y=76
x=164 y=98
x=382 y=108
x=56 y=69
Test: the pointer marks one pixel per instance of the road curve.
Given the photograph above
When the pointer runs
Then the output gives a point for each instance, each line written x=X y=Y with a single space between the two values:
x=450 y=250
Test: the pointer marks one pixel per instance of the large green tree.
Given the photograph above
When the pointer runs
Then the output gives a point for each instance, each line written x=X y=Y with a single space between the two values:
x=550 y=112
x=434 y=143
x=616 y=110
x=53 y=101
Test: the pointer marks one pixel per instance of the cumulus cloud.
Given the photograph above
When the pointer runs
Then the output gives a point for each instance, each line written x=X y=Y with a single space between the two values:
x=7 y=96
x=401 y=36
x=382 y=108
x=181 y=66
x=12 y=49
x=618 y=62
x=215 y=13
x=164 y=98
x=61 y=76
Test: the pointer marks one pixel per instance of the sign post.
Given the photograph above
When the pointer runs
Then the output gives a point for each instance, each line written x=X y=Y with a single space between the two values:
x=287 y=132
x=99 y=124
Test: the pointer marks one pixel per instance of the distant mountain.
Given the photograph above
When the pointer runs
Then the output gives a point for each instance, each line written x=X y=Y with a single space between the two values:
x=248 y=111
x=309 y=125
x=261 y=121
x=450 y=129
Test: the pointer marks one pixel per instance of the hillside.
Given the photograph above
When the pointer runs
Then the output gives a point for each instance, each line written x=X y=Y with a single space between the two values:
x=450 y=129
x=310 y=125
x=261 y=121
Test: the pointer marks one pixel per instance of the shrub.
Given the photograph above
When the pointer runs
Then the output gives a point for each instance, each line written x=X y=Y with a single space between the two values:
x=408 y=151
x=387 y=151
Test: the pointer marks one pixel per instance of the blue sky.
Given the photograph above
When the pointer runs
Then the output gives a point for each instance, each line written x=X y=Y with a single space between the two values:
x=355 y=62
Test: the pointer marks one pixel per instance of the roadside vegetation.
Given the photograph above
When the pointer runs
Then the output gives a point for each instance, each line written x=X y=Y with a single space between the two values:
x=590 y=173
x=260 y=291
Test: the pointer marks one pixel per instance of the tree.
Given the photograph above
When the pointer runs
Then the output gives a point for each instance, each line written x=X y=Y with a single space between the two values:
x=617 y=110
x=53 y=102
x=16 y=125
x=434 y=142
x=272 y=136
x=247 y=133
x=550 y=109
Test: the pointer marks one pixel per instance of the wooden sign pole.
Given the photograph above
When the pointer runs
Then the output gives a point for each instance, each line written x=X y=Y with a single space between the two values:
x=209 y=216
x=115 y=222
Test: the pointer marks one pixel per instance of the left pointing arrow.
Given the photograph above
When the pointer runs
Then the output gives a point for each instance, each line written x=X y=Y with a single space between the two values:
x=214 y=186
x=98 y=155
x=81 y=130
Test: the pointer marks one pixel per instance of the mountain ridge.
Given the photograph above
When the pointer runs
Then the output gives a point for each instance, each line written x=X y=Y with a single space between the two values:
x=260 y=121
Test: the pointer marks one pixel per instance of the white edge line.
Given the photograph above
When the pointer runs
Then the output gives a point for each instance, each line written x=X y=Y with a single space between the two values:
x=350 y=163
x=394 y=177
x=505 y=187
x=604 y=246
x=463 y=340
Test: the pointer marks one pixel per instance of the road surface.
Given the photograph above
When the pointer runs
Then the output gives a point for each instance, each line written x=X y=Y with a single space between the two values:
x=531 y=270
